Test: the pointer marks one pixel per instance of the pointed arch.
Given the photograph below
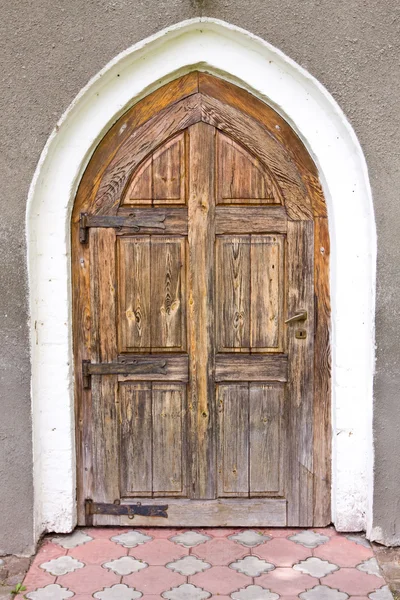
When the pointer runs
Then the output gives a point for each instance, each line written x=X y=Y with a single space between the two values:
x=254 y=65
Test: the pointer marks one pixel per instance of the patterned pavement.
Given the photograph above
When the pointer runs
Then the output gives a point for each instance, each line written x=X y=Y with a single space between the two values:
x=178 y=564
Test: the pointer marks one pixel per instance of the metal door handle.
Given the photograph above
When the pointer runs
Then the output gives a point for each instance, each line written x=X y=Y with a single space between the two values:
x=300 y=316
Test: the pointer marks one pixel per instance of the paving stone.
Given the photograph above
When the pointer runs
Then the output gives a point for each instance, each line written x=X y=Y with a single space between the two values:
x=343 y=552
x=190 y=539
x=309 y=538
x=159 y=552
x=62 y=565
x=254 y=592
x=186 y=591
x=221 y=580
x=315 y=567
x=154 y=580
x=370 y=566
x=89 y=580
x=189 y=565
x=77 y=538
x=131 y=539
x=125 y=565
x=250 y=538
x=359 y=539
x=353 y=582
x=322 y=592
x=252 y=566
x=286 y=582
x=98 y=552
x=120 y=591
x=382 y=594
x=50 y=592
x=282 y=552
x=220 y=551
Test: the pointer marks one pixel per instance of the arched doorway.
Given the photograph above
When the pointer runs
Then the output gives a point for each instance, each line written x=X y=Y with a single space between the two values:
x=200 y=263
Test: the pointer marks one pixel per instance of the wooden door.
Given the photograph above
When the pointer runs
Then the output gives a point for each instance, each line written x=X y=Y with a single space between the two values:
x=197 y=395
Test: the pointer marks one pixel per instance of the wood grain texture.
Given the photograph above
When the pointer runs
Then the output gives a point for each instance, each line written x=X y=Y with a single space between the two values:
x=168 y=293
x=229 y=219
x=136 y=436
x=169 y=433
x=267 y=293
x=232 y=311
x=134 y=309
x=174 y=220
x=241 y=178
x=233 y=437
x=174 y=367
x=322 y=378
x=140 y=187
x=266 y=439
x=201 y=205
x=251 y=367
x=169 y=172
x=224 y=512
x=301 y=373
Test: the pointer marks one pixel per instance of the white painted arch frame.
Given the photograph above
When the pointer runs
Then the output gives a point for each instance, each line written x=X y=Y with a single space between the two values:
x=252 y=63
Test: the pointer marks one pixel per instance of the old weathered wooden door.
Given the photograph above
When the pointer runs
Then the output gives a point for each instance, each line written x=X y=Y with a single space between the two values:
x=197 y=389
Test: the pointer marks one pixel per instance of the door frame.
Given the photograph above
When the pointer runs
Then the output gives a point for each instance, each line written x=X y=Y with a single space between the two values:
x=250 y=62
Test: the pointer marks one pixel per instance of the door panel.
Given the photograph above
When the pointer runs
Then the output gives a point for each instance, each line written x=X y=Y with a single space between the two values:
x=201 y=381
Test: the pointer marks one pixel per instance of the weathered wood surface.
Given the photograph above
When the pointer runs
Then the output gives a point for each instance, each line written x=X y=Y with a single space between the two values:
x=274 y=165
x=163 y=367
x=224 y=512
x=201 y=205
x=301 y=373
x=251 y=367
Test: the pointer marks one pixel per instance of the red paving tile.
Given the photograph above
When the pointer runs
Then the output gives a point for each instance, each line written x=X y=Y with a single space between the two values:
x=282 y=552
x=220 y=551
x=286 y=581
x=220 y=580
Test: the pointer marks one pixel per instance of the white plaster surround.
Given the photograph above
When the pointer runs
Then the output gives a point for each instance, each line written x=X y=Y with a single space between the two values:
x=252 y=63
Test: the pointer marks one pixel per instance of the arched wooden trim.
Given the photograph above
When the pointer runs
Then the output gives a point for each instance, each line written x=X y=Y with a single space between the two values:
x=303 y=200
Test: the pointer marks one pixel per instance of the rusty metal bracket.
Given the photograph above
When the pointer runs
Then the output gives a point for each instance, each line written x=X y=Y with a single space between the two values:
x=132 y=222
x=118 y=509
x=128 y=366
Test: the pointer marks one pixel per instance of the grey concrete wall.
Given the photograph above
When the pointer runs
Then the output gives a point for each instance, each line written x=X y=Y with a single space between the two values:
x=49 y=50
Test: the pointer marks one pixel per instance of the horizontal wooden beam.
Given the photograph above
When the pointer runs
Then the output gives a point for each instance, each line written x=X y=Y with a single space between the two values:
x=251 y=367
x=250 y=219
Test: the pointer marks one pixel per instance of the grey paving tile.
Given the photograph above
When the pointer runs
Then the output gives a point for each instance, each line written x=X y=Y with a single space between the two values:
x=125 y=565
x=120 y=591
x=62 y=565
x=309 y=539
x=189 y=565
x=315 y=567
x=131 y=539
x=359 y=539
x=382 y=594
x=189 y=539
x=250 y=538
x=186 y=591
x=50 y=592
x=323 y=592
x=370 y=566
x=254 y=592
x=72 y=540
x=252 y=566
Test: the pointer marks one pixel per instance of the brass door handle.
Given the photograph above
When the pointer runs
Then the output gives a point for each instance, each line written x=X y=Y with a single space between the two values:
x=300 y=316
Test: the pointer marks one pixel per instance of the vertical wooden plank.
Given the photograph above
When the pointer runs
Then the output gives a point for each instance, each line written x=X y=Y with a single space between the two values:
x=233 y=438
x=233 y=293
x=201 y=235
x=169 y=415
x=140 y=189
x=136 y=435
x=322 y=378
x=300 y=266
x=104 y=420
x=266 y=438
x=169 y=172
x=134 y=293
x=168 y=293
x=267 y=293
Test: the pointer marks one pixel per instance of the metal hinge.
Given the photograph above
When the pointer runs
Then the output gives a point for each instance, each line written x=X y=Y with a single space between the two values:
x=132 y=222
x=118 y=509
x=129 y=366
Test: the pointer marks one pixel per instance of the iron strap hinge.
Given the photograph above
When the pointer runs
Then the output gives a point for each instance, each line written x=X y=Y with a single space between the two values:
x=132 y=222
x=131 y=366
x=130 y=510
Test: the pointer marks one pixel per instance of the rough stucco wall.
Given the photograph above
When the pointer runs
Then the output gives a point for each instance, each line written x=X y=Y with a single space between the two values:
x=49 y=51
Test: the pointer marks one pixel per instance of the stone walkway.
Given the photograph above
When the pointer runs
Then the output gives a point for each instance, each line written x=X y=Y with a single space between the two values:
x=177 y=564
